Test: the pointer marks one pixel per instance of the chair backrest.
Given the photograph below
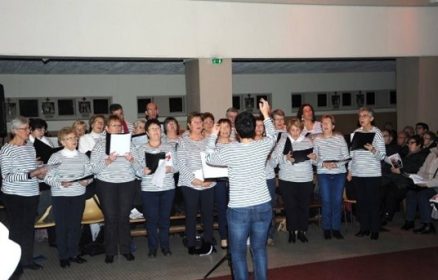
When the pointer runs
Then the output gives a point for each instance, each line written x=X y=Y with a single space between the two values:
x=346 y=199
x=92 y=212
x=41 y=223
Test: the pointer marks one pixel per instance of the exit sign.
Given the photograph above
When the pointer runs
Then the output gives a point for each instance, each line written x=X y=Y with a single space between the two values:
x=216 y=60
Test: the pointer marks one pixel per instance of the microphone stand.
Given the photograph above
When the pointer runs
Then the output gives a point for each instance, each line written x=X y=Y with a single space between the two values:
x=226 y=257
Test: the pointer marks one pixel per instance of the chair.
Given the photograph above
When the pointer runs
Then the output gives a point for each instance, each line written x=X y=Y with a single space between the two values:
x=347 y=207
x=92 y=212
x=42 y=223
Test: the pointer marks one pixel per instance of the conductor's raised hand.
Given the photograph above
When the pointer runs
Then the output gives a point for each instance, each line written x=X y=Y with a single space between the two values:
x=264 y=108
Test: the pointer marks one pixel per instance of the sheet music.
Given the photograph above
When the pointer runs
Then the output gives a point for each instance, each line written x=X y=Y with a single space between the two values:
x=418 y=179
x=160 y=173
x=120 y=144
x=210 y=171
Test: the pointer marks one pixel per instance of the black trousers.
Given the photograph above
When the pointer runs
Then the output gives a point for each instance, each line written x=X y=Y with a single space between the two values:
x=68 y=212
x=368 y=202
x=116 y=200
x=21 y=213
x=296 y=198
x=193 y=200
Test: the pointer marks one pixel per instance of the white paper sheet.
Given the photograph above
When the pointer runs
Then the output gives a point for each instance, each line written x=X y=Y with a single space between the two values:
x=417 y=179
x=160 y=173
x=120 y=143
x=210 y=171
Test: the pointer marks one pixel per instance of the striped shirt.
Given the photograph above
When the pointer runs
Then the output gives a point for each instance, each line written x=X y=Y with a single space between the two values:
x=119 y=171
x=16 y=162
x=246 y=168
x=364 y=163
x=189 y=160
x=316 y=129
x=74 y=165
x=293 y=172
x=146 y=180
x=331 y=148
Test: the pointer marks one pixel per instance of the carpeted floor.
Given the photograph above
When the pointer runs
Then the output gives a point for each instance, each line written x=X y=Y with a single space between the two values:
x=414 y=264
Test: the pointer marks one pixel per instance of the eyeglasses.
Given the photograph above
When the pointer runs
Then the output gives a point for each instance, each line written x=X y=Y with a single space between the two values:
x=71 y=138
x=23 y=128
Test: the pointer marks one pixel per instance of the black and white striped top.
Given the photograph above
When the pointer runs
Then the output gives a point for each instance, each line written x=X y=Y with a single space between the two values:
x=364 y=163
x=189 y=160
x=119 y=171
x=16 y=162
x=331 y=148
x=74 y=165
x=293 y=172
x=146 y=180
x=246 y=167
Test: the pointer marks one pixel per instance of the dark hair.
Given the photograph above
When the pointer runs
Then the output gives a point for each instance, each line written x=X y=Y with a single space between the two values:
x=207 y=115
x=151 y=122
x=423 y=125
x=417 y=140
x=301 y=109
x=191 y=116
x=114 y=107
x=245 y=125
x=37 y=123
x=112 y=118
x=431 y=134
x=168 y=120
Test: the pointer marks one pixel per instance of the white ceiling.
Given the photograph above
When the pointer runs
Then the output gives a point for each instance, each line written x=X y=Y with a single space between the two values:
x=342 y=2
x=175 y=67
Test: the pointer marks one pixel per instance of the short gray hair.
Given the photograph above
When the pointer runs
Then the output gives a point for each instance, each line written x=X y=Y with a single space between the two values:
x=367 y=109
x=137 y=122
x=18 y=122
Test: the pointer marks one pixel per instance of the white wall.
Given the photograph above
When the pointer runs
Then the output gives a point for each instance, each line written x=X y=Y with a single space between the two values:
x=202 y=29
x=125 y=88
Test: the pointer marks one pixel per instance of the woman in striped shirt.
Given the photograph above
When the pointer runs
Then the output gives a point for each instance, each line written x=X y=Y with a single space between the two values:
x=157 y=196
x=87 y=141
x=249 y=211
x=295 y=179
x=332 y=152
x=20 y=189
x=364 y=170
x=68 y=198
x=197 y=192
x=115 y=185
x=311 y=126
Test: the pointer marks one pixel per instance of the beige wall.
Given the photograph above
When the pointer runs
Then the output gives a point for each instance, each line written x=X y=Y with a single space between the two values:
x=202 y=29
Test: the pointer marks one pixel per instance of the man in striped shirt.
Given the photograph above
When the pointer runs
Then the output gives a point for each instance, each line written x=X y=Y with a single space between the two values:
x=249 y=209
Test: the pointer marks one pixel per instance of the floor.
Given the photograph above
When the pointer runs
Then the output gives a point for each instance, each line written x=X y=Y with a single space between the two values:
x=183 y=266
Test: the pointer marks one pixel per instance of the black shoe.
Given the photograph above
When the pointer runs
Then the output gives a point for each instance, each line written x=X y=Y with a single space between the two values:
x=109 y=259
x=130 y=257
x=337 y=234
x=78 y=259
x=327 y=234
x=166 y=252
x=302 y=237
x=363 y=233
x=152 y=253
x=33 y=266
x=292 y=237
x=374 y=236
x=408 y=225
x=420 y=229
x=428 y=229
x=207 y=249
x=193 y=251
x=64 y=263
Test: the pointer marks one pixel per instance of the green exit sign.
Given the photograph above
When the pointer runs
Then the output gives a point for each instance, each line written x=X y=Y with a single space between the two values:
x=216 y=60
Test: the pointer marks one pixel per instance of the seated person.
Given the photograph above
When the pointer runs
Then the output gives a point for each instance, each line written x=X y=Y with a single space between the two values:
x=419 y=197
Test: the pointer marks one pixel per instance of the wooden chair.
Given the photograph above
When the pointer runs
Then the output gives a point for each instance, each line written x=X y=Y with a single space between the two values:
x=42 y=223
x=92 y=212
x=347 y=207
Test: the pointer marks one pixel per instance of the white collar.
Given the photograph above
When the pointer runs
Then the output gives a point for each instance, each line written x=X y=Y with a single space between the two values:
x=299 y=139
x=68 y=153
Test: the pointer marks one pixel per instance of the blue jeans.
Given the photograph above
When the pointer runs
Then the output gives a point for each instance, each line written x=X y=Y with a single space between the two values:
x=156 y=210
x=254 y=222
x=420 y=199
x=331 y=187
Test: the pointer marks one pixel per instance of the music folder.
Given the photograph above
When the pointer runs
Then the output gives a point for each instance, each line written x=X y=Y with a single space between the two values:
x=301 y=155
x=360 y=139
x=152 y=160
x=44 y=151
x=287 y=147
x=118 y=143
x=91 y=176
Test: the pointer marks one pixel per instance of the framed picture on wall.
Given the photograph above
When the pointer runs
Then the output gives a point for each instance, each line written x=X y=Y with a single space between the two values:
x=28 y=108
x=84 y=107
x=11 y=110
x=101 y=106
x=48 y=108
